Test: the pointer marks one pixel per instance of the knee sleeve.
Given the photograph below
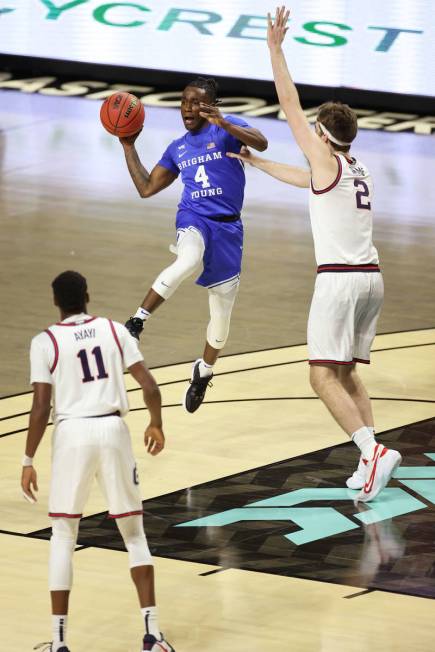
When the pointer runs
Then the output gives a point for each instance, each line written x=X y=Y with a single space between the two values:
x=190 y=250
x=132 y=532
x=221 y=301
x=62 y=543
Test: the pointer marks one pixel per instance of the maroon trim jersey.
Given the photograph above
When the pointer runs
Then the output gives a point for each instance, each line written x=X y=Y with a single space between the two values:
x=341 y=218
x=84 y=358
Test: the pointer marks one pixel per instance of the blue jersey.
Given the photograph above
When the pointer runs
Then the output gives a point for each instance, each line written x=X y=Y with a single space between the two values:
x=214 y=184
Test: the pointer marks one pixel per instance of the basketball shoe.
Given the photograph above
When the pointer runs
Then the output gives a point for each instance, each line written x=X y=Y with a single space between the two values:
x=358 y=478
x=195 y=393
x=379 y=471
x=134 y=325
x=152 y=644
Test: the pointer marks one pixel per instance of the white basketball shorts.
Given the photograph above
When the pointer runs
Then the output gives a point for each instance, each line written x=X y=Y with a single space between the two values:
x=343 y=316
x=84 y=449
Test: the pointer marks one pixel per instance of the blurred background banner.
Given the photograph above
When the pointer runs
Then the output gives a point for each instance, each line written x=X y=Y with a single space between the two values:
x=370 y=46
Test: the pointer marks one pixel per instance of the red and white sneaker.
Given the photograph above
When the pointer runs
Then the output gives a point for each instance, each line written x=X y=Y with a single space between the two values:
x=378 y=472
x=358 y=478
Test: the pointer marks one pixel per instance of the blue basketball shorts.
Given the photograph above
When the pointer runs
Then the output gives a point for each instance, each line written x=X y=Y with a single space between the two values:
x=223 y=247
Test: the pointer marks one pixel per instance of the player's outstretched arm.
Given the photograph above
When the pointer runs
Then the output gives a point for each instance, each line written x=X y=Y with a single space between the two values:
x=147 y=184
x=288 y=96
x=288 y=173
x=154 y=437
x=39 y=415
x=247 y=135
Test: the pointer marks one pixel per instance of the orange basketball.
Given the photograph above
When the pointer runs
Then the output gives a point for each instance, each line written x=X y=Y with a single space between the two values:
x=122 y=114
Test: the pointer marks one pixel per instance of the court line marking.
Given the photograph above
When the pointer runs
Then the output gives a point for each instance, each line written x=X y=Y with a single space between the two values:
x=274 y=348
x=249 y=400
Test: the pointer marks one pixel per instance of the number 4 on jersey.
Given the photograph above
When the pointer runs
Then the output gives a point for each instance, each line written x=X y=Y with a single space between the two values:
x=201 y=177
x=87 y=376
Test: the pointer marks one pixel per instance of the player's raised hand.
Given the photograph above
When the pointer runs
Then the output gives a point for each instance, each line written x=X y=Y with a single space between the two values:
x=129 y=140
x=29 y=481
x=154 y=440
x=211 y=113
x=245 y=155
x=277 y=29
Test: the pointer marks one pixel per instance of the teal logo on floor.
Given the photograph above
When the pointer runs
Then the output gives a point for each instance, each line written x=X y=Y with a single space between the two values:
x=322 y=522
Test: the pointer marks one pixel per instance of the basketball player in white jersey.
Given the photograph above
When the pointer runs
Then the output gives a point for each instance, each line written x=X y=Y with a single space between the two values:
x=349 y=290
x=79 y=363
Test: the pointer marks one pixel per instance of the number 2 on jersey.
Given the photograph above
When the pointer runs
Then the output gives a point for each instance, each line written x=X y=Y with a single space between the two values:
x=362 y=200
x=201 y=177
x=87 y=376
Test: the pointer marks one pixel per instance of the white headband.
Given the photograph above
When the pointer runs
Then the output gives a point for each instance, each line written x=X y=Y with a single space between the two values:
x=330 y=136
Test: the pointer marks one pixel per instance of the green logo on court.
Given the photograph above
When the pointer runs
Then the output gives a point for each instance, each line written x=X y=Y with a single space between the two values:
x=322 y=522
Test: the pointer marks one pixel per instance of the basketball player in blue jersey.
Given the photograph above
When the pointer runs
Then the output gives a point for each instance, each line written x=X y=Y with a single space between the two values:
x=208 y=223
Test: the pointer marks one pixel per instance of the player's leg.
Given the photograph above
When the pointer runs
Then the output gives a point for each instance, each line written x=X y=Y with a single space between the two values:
x=221 y=275
x=380 y=468
x=62 y=544
x=353 y=384
x=142 y=574
x=190 y=251
x=118 y=479
x=331 y=334
x=221 y=302
x=73 y=468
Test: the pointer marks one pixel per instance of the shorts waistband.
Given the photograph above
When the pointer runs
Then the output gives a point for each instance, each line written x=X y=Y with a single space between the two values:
x=95 y=416
x=223 y=218
x=339 y=267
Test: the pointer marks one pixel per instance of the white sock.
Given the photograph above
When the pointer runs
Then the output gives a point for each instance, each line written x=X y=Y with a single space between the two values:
x=365 y=441
x=58 y=625
x=205 y=369
x=142 y=314
x=151 y=621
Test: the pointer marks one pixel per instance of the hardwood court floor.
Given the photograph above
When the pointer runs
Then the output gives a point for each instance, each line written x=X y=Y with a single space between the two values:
x=259 y=411
x=66 y=201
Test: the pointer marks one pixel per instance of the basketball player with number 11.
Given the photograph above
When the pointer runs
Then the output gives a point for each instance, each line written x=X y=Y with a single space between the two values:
x=349 y=290
x=79 y=363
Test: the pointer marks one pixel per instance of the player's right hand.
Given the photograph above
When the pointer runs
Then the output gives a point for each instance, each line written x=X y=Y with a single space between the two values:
x=154 y=440
x=245 y=155
x=29 y=481
x=129 y=140
x=277 y=29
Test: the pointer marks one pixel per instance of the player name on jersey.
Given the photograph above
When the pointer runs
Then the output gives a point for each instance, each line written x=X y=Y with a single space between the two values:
x=85 y=334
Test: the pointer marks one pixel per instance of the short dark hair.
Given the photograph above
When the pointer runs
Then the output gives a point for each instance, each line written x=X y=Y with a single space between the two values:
x=209 y=84
x=341 y=121
x=70 y=289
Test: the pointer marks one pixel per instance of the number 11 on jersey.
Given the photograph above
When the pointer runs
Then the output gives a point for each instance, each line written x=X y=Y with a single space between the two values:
x=87 y=376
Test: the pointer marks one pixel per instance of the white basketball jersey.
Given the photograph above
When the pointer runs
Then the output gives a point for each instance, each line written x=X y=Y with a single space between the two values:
x=341 y=217
x=84 y=359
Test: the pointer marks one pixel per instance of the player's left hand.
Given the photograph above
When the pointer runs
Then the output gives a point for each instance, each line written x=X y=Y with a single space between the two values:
x=277 y=30
x=154 y=440
x=211 y=113
x=29 y=481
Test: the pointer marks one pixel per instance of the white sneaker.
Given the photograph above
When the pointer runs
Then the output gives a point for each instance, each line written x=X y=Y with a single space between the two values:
x=153 y=644
x=378 y=472
x=358 y=478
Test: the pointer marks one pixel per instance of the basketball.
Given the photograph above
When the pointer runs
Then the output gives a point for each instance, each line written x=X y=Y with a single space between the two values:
x=122 y=114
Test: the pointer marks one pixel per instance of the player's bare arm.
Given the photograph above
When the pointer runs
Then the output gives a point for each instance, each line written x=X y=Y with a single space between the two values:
x=147 y=183
x=154 y=437
x=39 y=415
x=290 y=174
x=323 y=164
x=247 y=135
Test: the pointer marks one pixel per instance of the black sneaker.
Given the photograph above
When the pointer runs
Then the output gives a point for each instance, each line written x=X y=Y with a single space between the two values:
x=195 y=393
x=134 y=325
x=48 y=647
x=153 y=644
